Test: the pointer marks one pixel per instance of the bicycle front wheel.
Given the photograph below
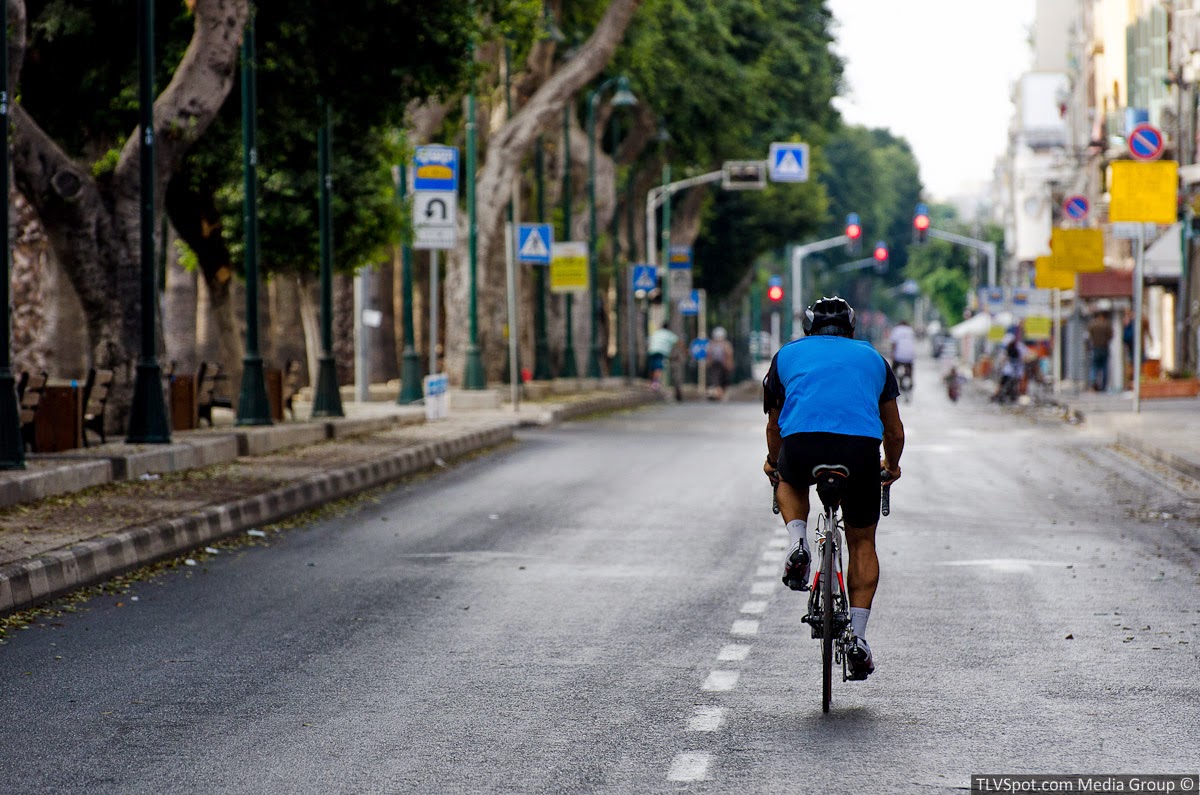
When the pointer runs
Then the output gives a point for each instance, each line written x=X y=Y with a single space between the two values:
x=827 y=575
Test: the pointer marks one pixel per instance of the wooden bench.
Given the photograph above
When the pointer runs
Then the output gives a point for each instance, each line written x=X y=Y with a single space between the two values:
x=29 y=390
x=95 y=398
x=209 y=378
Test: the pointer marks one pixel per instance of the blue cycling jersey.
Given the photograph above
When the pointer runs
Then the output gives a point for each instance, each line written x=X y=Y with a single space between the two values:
x=829 y=384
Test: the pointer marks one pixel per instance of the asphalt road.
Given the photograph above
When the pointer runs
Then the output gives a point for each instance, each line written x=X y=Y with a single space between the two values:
x=597 y=609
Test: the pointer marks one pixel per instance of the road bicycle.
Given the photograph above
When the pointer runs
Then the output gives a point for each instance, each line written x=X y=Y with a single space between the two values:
x=904 y=379
x=828 y=602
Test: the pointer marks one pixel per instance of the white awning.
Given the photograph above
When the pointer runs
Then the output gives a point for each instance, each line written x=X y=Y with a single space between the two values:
x=1163 y=257
x=978 y=325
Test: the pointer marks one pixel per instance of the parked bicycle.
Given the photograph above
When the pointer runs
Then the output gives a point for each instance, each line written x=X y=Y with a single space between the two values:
x=828 y=604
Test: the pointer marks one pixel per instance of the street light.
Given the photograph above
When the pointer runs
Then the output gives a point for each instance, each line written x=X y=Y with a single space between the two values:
x=623 y=98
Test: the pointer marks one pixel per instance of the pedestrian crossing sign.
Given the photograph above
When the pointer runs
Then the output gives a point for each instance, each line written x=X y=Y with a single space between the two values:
x=645 y=279
x=788 y=162
x=533 y=243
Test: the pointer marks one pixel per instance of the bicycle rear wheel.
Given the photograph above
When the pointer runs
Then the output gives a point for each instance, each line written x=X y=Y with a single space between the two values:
x=827 y=575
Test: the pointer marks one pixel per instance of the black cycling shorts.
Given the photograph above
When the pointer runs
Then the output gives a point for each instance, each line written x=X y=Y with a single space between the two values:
x=801 y=452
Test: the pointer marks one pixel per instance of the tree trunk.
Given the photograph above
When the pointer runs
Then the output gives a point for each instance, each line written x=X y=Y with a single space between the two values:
x=94 y=228
x=179 y=311
x=506 y=150
x=32 y=344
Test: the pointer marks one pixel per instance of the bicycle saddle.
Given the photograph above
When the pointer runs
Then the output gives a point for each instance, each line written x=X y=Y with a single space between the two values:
x=831 y=482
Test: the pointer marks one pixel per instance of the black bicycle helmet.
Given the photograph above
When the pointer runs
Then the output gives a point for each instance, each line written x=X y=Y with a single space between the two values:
x=830 y=316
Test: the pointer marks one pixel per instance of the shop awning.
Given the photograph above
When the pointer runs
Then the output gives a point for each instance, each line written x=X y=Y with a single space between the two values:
x=978 y=325
x=1163 y=257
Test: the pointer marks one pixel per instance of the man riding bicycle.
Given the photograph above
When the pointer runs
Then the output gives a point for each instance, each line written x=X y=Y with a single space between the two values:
x=904 y=351
x=831 y=399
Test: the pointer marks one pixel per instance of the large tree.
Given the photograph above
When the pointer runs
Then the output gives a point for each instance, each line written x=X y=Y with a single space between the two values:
x=86 y=190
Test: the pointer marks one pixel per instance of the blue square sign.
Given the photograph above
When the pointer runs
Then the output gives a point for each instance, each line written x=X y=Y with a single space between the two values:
x=788 y=162
x=534 y=242
x=435 y=167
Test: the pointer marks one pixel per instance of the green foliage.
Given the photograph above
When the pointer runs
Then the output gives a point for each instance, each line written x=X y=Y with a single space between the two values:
x=367 y=59
x=944 y=271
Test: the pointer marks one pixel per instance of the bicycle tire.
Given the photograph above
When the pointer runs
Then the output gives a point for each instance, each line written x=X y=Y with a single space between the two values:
x=827 y=575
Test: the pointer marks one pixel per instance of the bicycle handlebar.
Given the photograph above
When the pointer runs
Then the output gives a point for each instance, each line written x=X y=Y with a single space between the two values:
x=885 y=496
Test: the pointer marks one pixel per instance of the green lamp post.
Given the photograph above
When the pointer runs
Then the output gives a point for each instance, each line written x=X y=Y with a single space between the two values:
x=473 y=377
x=410 y=373
x=148 y=414
x=541 y=342
x=621 y=99
x=252 y=408
x=569 y=369
x=12 y=447
x=327 y=398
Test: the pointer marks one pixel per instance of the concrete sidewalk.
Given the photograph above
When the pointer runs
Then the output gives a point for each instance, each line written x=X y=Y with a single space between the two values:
x=76 y=518
x=1165 y=429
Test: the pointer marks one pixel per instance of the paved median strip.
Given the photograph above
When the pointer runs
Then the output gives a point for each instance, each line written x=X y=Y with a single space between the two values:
x=29 y=582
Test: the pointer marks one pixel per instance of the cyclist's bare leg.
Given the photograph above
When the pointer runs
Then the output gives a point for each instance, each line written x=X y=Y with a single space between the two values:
x=793 y=502
x=863 y=569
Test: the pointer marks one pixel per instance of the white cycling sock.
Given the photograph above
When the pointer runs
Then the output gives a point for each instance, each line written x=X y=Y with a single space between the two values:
x=858 y=620
x=796 y=533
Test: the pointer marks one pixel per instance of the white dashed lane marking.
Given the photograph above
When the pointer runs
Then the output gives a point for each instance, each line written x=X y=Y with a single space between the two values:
x=690 y=766
x=706 y=719
x=733 y=652
x=754 y=607
x=745 y=627
x=770 y=556
x=766 y=571
x=763 y=588
x=778 y=543
x=720 y=681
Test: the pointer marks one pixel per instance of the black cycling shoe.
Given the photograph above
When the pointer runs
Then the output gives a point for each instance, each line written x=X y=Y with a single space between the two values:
x=859 y=660
x=795 y=568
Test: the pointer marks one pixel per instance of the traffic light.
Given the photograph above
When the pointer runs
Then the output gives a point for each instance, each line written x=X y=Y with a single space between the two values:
x=920 y=223
x=881 y=256
x=775 y=289
x=854 y=232
x=744 y=175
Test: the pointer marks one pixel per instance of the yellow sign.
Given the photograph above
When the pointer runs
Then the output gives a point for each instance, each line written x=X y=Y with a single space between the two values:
x=1047 y=276
x=996 y=332
x=1037 y=328
x=568 y=267
x=1143 y=192
x=1078 y=250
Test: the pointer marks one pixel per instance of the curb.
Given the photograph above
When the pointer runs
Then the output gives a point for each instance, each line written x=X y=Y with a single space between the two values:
x=39 y=579
x=1180 y=465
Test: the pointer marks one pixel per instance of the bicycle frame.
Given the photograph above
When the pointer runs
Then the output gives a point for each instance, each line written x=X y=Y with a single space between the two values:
x=837 y=617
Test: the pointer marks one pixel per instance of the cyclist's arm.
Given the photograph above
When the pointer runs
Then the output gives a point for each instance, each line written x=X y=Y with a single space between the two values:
x=893 y=436
x=772 y=403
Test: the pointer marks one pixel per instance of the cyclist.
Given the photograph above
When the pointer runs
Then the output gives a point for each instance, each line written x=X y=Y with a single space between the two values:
x=904 y=350
x=660 y=348
x=831 y=399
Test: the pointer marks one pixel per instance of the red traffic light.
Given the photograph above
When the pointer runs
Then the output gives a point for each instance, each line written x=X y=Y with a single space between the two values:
x=775 y=292
x=853 y=231
x=921 y=222
x=881 y=253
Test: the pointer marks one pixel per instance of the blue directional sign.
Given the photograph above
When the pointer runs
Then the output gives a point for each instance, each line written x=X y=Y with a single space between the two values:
x=691 y=304
x=699 y=349
x=435 y=167
x=533 y=243
x=681 y=257
x=788 y=162
x=1146 y=142
x=645 y=279
x=1077 y=207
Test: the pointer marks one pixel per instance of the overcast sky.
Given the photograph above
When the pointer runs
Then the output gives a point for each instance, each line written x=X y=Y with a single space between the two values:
x=938 y=73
